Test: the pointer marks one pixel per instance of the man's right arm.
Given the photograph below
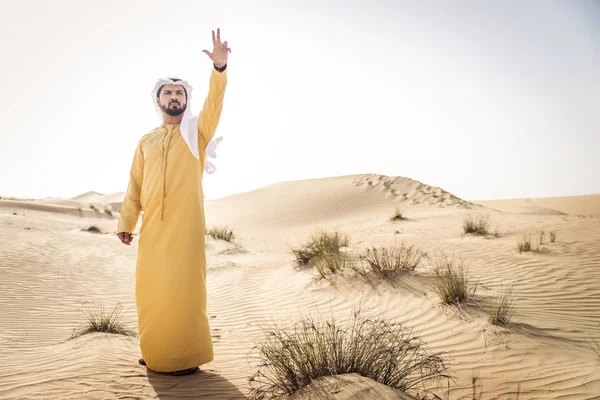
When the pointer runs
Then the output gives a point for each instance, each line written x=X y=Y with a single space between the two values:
x=131 y=208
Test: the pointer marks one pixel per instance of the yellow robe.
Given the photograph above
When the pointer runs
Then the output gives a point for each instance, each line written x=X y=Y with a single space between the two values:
x=166 y=184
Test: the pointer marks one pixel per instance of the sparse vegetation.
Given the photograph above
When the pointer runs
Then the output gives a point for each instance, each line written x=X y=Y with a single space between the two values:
x=452 y=284
x=541 y=237
x=375 y=348
x=98 y=320
x=524 y=245
x=476 y=225
x=225 y=234
x=322 y=243
x=395 y=258
x=397 y=216
x=552 y=236
x=93 y=229
x=502 y=309
x=93 y=207
x=108 y=212
x=331 y=263
x=496 y=233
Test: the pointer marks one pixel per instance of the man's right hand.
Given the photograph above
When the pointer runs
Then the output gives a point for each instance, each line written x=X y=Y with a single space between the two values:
x=125 y=237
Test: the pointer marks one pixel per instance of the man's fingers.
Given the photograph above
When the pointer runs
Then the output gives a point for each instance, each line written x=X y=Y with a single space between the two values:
x=219 y=35
x=213 y=37
x=208 y=53
x=125 y=237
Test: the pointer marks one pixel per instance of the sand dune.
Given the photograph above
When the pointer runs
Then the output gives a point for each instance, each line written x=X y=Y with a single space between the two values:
x=49 y=267
x=587 y=205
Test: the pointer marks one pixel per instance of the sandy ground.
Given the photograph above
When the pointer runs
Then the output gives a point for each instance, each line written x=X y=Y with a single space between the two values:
x=49 y=267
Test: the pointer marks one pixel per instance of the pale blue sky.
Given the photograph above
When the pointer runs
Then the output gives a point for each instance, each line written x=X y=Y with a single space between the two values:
x=485 y=99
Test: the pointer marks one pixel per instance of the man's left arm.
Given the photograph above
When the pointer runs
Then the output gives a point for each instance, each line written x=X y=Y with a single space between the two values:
x=213 y=105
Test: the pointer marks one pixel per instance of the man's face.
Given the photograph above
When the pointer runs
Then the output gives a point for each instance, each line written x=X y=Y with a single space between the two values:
x=172 y=99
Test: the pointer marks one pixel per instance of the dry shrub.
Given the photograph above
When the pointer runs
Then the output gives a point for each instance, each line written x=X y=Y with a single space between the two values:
x=476 y=225
x=397 y=216
x=394 y=258
x=290 y=359
x=322 y=243
x=93 y=229
x=524 y=245
x=98 y=320
x=502 y=309
x=331 y=263
x=452 y=284
x=222 y=233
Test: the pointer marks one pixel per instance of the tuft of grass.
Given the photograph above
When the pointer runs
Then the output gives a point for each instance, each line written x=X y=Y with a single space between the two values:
x=524 y=245
x=321 y=243
x=552 y=236
x=452 y=284
x=331 y=263
x=221 y=234
x=108 y=212
x=477 y=225
x=290 y=359
x=541 y=237
x=397 y=216
x=93 y=229
x=98 y=320
x=93 y=207
x=502 y=309
x=395 y=258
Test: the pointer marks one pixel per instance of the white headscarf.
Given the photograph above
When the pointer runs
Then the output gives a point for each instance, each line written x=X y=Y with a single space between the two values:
x=189 y=124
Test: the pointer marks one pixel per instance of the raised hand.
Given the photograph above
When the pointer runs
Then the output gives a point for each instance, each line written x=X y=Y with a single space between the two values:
x=220 y=50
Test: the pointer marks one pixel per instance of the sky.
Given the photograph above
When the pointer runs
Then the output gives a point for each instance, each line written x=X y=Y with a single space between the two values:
x=485 y=99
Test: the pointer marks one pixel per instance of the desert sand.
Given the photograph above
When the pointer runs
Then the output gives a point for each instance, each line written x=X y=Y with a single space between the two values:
x=50 y=265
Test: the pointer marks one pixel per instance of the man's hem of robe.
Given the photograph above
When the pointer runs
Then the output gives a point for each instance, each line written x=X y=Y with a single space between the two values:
x=180 y=363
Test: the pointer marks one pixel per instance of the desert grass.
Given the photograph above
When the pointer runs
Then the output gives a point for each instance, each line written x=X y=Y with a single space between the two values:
x=290 y=359
x=397 y=216
x=108 y=212
x=452 y=284
x=524 y=245
x=502 y=310
x=322 y=243
x=552 y=236
x=476 y=225
x=99 y=320
x=394 y=258
x=221 y=233
x=93 y=229
x=332 y=263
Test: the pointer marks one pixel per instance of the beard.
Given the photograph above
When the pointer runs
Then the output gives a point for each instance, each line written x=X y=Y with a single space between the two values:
x=173 y=111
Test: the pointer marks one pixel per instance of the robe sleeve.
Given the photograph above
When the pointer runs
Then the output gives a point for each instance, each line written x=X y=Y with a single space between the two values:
x=131 y=208
x=211 y=111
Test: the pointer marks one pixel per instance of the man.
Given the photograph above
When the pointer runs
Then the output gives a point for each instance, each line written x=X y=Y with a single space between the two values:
x=166 y=184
